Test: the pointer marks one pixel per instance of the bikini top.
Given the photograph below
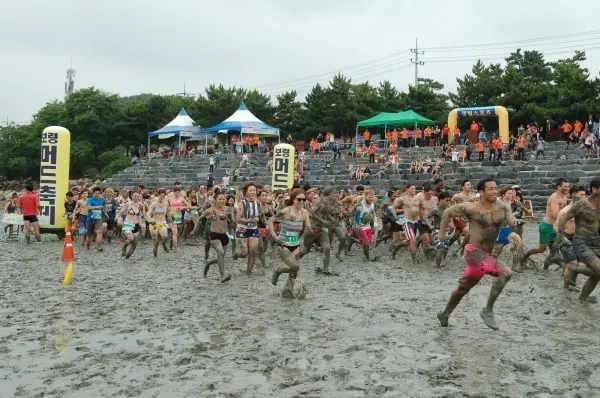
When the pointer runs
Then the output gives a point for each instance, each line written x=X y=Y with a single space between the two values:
x=132 y=212
x=221 y=216
x=159 y=210
x=176 y=203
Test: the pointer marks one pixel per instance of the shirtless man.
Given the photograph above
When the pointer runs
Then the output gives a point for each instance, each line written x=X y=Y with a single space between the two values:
x=586 y=240
x=485 y=217
x=434 y=219
x=410 y=203
x=427 y=202
x=555 y=203
x=566 y=247
x=321 y=221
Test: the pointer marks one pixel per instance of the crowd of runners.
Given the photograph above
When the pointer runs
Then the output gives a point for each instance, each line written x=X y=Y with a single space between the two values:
x=426 y=221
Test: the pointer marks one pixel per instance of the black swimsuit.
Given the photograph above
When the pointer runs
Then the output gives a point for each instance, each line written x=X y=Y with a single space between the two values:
x=224 y=238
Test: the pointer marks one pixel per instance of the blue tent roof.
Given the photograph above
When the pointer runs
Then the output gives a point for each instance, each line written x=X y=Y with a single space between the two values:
x=243 y=119
x=182 y=125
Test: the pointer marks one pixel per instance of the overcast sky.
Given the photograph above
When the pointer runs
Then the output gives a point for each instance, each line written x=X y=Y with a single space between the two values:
x=153 y=46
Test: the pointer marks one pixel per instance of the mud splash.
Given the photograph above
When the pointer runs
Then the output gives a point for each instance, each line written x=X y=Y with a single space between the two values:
x=154 y=327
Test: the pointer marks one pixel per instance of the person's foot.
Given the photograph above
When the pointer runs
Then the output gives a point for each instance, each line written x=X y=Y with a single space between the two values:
x=443 y=318
x=124 y=250
x=589 y=299
x=275 y=277
x=439 y=257
x=339 y=257
x=206 y=268
x=488 y=319
x=226 y=278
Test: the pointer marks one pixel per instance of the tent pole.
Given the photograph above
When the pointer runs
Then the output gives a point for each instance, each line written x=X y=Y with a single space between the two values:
x=205 y=143
x=179 y=147
x=385 y=136
x=356 y=137
x=415 y=134
x=148 y=149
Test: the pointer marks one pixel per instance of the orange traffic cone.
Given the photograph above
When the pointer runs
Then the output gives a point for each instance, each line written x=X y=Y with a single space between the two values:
x=68 y=253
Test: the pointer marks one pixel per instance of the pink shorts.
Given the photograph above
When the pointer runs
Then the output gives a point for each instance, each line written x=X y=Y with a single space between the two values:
x=479 y=263
x=364 y=236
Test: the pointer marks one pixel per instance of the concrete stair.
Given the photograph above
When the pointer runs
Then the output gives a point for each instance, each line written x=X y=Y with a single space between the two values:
x=536 y=177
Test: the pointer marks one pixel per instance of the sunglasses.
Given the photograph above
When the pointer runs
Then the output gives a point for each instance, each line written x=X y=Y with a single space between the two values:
x=301 y=199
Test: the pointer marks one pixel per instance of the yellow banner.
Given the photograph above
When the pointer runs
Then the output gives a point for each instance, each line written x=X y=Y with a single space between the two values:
x=283 y=166
x=54 y=176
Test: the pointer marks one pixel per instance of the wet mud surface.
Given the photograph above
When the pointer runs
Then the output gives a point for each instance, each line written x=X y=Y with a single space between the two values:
x=151 y=327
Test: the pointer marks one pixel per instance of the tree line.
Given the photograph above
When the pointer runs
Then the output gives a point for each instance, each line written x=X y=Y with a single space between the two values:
x=103 y=124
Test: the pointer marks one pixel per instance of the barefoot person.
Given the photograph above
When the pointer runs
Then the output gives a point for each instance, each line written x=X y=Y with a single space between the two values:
x=157 y=217
x=555 y=203
x=246 y=234
x=131 y=225
x=29 y=204
x=485 y=219
x=566 y=247
x=292 y=220
x=221 y=219
x=410 y=204
x=507 y=234
x=586 y=240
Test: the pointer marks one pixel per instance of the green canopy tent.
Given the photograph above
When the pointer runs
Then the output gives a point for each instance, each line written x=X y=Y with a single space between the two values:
x=399 y=119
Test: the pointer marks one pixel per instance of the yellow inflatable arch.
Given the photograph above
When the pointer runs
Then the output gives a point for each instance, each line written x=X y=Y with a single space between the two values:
x=498 y=111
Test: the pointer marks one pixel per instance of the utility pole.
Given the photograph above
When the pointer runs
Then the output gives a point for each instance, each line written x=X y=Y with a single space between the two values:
x=70 y=83
x=416 y=60
x=184 y=94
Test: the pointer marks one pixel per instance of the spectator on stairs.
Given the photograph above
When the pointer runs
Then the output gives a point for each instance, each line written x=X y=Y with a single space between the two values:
x=372 y=151
x=244 y=162
x=454 y=157
x=540 y=147
x=480 y=150
x=468 y=149
x=567 y=129
x=142 y=151
x=211 y=164
x=367 y=137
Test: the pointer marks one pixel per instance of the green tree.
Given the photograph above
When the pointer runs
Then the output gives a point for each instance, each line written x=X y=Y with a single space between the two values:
x=427 y=100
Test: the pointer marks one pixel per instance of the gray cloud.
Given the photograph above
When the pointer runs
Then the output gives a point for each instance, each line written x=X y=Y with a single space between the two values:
x=130 y=47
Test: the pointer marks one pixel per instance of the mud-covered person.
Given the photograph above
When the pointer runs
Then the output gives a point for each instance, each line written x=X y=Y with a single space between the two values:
x=411 y=207
x=586 y=240
x=556 y=202
x=485 y=218
x=565 y=247
x=434 y=220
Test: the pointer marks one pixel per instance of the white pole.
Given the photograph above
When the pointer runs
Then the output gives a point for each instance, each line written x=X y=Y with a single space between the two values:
x=205 y=143
x=179 y=147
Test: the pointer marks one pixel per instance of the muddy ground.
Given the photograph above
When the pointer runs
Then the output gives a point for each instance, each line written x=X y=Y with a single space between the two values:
x=156 y=328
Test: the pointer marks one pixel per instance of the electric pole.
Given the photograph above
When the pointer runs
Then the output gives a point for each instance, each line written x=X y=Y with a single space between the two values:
x=416 y=60
x=184 y=94
x=70 y=83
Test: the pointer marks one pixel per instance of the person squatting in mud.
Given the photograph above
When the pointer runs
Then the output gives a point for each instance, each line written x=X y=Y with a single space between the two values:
x=221 y=221
x=485 y=217
x=292 y=220
x=586 y=239
x=156 y=216
x=131 y=224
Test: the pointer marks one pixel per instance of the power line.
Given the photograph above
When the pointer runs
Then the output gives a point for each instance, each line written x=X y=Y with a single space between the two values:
x=447 y=48
x=501 y=56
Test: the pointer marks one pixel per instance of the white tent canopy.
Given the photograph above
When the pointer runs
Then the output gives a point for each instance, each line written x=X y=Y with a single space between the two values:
x=246 y=123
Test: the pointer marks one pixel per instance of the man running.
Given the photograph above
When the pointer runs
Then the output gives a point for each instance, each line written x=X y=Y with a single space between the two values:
x=410 y=204
x=427 y=202
x=565 y=247
x=586 y=240
x=461 y=228
x=485 y=217
x=555 y=203
x=29 y=203
x=434 y=219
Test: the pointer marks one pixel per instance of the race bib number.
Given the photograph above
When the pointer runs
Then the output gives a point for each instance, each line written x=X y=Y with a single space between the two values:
x=128 y=227
x=292 y=239
x=325 y=229
x=177 y=219
x=96 y=214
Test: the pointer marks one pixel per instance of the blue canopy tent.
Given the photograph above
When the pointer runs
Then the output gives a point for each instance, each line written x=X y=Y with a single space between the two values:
x=182 y=127
x=246 y=123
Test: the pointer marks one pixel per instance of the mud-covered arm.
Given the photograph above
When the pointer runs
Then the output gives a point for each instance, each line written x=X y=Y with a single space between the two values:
x=278 y=217
x=573 y=211
x=431 y=217
x=511 y=220
x=459 y=210
x=306 y=217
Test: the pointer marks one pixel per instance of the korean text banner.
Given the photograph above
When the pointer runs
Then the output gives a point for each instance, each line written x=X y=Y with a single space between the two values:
x=54 y=176
x=479 y=111
x=283 y=166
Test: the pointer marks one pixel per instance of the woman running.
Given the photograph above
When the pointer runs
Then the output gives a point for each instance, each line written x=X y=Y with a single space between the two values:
x=81 y=212
x=292 y=221
x=157 y=216
x=191 y=217
x=507 y=234
x=176 y=205
x=266 y=212
x=231 y=206
x=246 y=233
x=131 y=226
x=221 y=218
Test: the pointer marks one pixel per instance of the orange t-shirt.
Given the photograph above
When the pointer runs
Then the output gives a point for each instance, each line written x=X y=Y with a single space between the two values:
x=578 y=127
x=480 y=147
x=372 y=150
x=521 y=143
x=418 y=133
x=566 y=128
x=427 y=132
x=367 y=135
x=474 y=127
x=445 y=131
x=404 y=134
x=395 y=134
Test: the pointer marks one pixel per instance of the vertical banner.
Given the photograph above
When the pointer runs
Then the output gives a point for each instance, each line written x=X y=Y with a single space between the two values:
x=54 y=176
x=283 y=166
